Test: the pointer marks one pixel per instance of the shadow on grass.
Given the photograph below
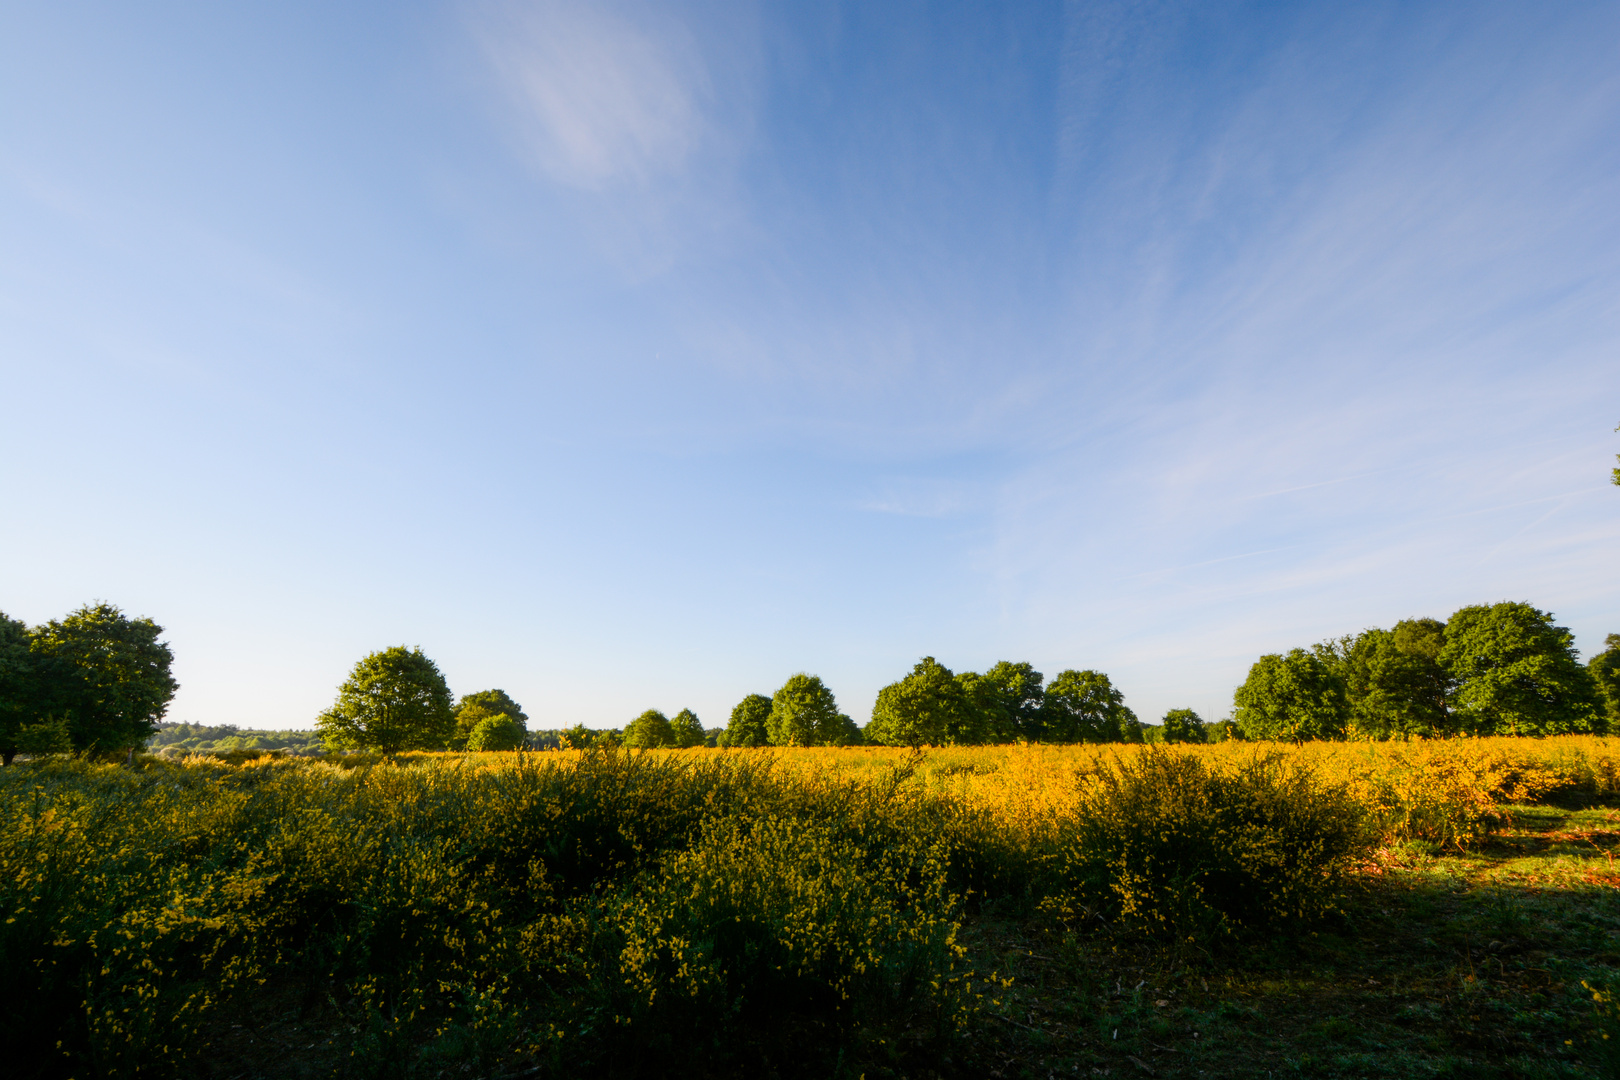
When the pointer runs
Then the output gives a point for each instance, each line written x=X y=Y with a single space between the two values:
x=1475 y=964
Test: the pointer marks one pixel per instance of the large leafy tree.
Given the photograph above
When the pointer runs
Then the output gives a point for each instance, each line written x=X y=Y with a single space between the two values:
x=105 y=675
x=481 y=705
x=1292 y=697
x=1006 y=702
x=747 y=724
x=927 y=707
x=1393 y=680
x=395 y=699
x=686 y=729
x=1084 y=706
x=1517 y=673
x=805 y=713
x=649 y=731
x=1605 y=669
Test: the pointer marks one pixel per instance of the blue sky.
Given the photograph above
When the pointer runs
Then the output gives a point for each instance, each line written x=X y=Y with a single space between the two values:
x=640 y=355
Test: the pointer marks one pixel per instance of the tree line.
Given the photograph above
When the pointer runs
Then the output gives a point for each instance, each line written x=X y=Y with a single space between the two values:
x=98 y=680
x=1490 y=669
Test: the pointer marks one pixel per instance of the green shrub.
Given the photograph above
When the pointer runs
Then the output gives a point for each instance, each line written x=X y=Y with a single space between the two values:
x=1164 y=844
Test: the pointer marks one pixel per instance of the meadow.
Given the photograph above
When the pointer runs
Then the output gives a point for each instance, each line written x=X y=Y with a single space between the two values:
x=1443 y=908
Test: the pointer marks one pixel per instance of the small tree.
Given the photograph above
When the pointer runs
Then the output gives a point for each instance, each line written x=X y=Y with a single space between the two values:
x=686 y=729
x=804 y=713
x=476 y=707
x=393 y=700
x=747 y=724
x=105 y=675
x=1183 y=726
x=929 y=706
x=1294 y=697
x=499 y=732
x=649 y=731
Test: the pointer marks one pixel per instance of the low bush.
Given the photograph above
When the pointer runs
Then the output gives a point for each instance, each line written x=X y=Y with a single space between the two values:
x=1163 y=843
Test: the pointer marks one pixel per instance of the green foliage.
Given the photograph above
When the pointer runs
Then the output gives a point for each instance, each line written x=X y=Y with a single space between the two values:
x=106 y=675
x=1006 y=701
x=500 y=732
x=1083 y=706
x=1517 y=673
x=393 y=700
x=649 y=731
x=1394 y=682
x=747 y=726
x=1298 y=696
x=1605 y=669
x=686 y=729
x=477 y=707
x=1165 y=844
x=805 y=713
x=205 y=738
x=20 y=691
x=928 y=707
x=598 y=916
x=1183 y=726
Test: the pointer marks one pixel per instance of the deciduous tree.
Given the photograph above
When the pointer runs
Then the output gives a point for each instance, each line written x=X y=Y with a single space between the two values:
x=1084 y=706
x=395 y=699
x=498 y=732
x=1517 y=673
x=1293 y=697
x=1007 y=702
x=686 y=729
x=1393 y=680
x=927 y=707
x=804 y=713
x=479 y=706
x=649 y=731
x=747 y=724
x=1605 y=669
x=105 y=675
x=1183 y=726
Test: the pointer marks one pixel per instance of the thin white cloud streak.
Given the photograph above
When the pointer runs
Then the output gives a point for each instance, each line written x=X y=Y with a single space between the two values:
x=603 y=96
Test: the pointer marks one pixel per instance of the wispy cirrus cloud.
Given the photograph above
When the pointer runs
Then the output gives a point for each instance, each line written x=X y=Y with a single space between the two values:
x=602 y=94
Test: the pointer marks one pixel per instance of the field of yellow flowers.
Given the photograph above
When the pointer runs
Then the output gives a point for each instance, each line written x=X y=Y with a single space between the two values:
x=701 y=912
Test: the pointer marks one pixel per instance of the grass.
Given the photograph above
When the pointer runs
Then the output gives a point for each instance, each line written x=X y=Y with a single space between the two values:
x=1443 y=964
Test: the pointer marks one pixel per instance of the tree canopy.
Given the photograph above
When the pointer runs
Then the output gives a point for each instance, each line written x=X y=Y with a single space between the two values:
x=1084 y=706
x=1292 y=697
x=104 y=675
x=1183 y=726
x=498 y=732
x=805 y=713
x=479 y=706
x=394 y=700
x=1605 y=669
x=1006 y=701
x=1517 y=673
x=685 y=729
x=649 y=731
x=929 y=707
x=747 y=724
